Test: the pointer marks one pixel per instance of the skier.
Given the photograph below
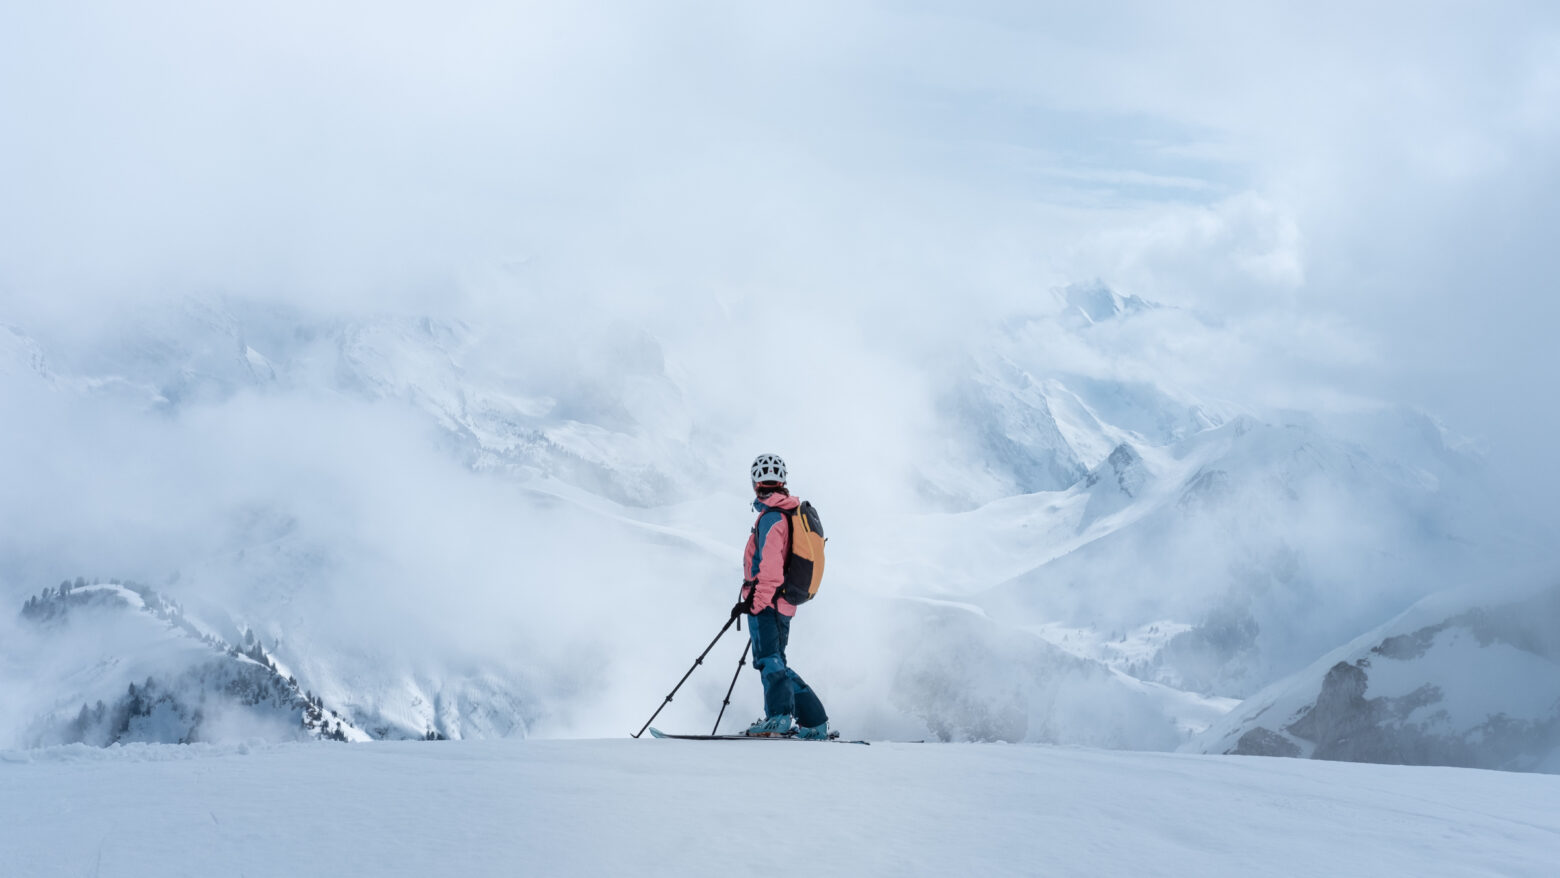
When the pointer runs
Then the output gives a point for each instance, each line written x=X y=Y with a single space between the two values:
x=787 y=698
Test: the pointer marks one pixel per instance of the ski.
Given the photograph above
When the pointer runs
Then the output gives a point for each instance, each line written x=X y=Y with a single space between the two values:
x=834 y=737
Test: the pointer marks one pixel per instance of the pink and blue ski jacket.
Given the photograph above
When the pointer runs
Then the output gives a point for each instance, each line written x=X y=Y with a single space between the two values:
x=763 y=564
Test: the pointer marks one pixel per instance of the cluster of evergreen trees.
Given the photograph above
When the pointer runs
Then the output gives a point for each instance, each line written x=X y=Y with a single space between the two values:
x=55 y=602
x=126 y=719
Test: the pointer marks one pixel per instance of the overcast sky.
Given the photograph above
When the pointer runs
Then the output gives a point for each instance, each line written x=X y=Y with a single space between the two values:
x=1368 y=189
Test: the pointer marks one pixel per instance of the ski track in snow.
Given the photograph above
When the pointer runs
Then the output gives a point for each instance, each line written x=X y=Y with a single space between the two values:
x=645 y=807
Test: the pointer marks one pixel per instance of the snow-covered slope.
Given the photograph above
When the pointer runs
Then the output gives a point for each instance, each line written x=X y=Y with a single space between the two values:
x=685 y=808
x=1457 y=680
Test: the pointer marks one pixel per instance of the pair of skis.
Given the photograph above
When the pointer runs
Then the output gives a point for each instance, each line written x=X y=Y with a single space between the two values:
x=834 y=737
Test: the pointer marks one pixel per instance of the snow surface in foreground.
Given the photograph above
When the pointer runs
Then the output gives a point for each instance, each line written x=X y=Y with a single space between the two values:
x=647 y=807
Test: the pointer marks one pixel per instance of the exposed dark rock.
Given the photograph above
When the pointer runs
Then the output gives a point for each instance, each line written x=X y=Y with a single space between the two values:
x=1346 y=726
x=1340 y=710
x=1409 y=646
x=1123 y=467
x=1263 y=742
x=1207 y=488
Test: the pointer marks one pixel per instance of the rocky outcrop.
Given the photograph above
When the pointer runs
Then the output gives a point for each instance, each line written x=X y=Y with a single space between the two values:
x=1261 y=742
x=1114 y=484
x=1477 y=689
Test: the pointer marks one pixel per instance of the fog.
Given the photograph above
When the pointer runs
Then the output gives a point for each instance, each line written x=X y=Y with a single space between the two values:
x=893 y=172
x=710 y=232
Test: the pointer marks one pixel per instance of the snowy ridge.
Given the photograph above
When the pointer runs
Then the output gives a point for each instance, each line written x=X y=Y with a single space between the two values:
x=598 y=440
x=158 y=675
x=626 y=439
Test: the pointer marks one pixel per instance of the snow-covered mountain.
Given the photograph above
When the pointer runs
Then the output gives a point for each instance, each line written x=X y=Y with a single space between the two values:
x=145 y=670
x=477 y=532
x=1263 y=538
x=1037 y=406
x=619 y=428
x=1457 y=680
x=1252 y=532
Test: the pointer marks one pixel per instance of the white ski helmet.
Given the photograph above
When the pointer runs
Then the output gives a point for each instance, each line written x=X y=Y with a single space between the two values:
x=768 y=468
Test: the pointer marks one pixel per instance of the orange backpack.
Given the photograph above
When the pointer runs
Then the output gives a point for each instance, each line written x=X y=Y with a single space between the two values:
x=804 y=556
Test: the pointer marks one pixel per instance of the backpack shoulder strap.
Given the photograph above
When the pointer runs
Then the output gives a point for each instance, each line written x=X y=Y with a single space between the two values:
x=789 y=516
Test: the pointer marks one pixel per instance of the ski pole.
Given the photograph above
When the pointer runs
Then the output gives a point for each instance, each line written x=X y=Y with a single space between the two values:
x=696 y=662
x=740 y=662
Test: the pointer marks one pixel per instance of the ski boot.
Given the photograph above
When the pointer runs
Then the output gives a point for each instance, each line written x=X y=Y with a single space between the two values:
x=773 y=727
x=818 y=732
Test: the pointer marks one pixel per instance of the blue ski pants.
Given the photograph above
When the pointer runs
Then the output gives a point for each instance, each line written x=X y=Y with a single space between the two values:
x=784 y=690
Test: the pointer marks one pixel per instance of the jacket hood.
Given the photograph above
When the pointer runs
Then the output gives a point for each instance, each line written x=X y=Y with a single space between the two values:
x=776 y=501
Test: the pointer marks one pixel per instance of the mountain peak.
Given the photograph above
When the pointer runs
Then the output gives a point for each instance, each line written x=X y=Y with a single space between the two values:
x=1114 y=484
x=1123 y=468
x=1090 y=303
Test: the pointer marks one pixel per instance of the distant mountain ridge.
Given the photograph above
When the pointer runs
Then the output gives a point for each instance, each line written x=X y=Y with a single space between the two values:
x=208 y=351
x=1091 y=535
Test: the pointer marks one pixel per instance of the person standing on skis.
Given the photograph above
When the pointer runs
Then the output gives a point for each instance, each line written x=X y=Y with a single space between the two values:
x=790 y=705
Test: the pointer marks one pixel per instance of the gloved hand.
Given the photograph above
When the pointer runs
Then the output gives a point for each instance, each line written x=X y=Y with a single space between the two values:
x=746 y=604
